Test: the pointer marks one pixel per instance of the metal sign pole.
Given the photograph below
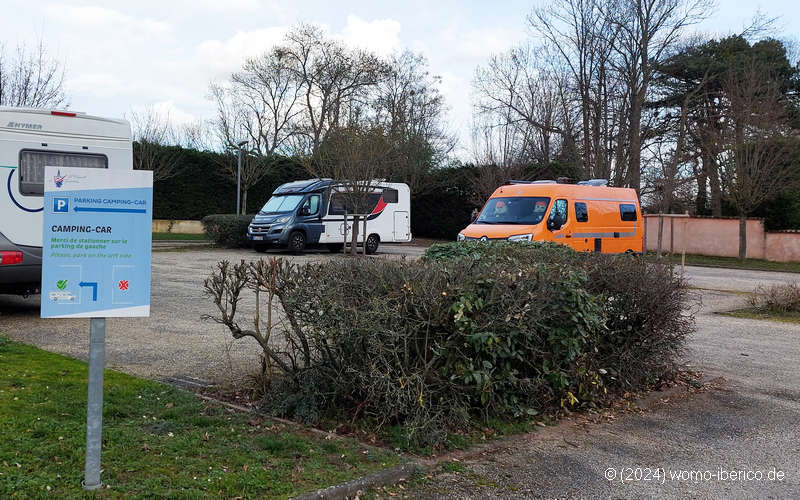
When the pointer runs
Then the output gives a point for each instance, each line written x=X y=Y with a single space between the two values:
x=94 y=414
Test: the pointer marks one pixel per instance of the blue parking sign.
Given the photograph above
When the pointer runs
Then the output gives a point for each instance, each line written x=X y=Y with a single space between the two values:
x=96 y=243
x=61 y=205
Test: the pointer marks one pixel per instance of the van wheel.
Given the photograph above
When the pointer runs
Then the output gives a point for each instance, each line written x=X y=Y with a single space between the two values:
x=372 y=243
x=260 y=248
x=297 y=242
x=335 y=247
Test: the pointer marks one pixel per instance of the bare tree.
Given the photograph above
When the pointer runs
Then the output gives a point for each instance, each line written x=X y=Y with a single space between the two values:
x=582 y=34
x=408 y=105
x=153 y=134
x=517 y=99
x=30 y=78
x=197 y=135
x=260 y=104
x=357 y=157
x=754 y=141
x=646 y=30
x=334 y=81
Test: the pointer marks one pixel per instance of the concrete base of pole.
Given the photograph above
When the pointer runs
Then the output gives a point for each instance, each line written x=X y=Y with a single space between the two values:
x=91 y=487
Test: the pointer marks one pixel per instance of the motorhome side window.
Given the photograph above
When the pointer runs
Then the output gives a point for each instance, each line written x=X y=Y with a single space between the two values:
x=627 y=211
x=340 y=204
x=32 y=163
x=390 y=195
x=581 y=212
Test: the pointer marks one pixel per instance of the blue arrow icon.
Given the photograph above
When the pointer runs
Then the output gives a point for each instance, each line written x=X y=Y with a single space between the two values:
x=93 y=286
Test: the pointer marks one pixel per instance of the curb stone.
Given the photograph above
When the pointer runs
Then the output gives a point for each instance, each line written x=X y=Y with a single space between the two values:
x=357 y=486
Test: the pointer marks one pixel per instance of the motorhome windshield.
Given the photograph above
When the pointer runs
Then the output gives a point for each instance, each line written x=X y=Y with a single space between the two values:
x=282 y=203
x=527 y=210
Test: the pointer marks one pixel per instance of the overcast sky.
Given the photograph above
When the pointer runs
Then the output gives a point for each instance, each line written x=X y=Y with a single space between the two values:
x=127 y=54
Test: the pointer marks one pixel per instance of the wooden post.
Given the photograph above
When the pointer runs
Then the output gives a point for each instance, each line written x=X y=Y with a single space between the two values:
x=671 y=236
x=683 y=245
x=660 y=234
x=344 y=245
x=644 y=237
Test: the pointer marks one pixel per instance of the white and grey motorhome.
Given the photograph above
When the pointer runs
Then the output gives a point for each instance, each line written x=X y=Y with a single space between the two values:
x=31 y=139
x=313 y=212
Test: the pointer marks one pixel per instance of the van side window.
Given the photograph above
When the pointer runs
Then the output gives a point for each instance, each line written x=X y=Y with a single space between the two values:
x=372 y=202
x=340 y=203
x=390 y=195
x=581 y=212
x=627 y=211
x=310 y=206
x=558 y=215
x=32 y=163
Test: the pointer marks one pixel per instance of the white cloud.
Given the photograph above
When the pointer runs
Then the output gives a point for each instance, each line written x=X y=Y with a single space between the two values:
x=103 y=85
x=217 y=58
x=474 y=46
x=380 y=36
x=105 y=19
x=166 y=110
x=226 y=6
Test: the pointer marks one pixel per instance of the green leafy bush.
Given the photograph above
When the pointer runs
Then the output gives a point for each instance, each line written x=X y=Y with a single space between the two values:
x=477 y=330
x=645 y=304
x=227 y=230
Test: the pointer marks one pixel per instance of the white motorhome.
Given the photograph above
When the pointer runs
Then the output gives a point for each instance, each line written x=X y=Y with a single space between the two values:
x=318 y=212
x=31 y=139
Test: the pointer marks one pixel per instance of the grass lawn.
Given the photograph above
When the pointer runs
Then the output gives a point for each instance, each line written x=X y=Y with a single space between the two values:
x=732 y=262
x=789 y=317
x=157 y=440
x=179 y=237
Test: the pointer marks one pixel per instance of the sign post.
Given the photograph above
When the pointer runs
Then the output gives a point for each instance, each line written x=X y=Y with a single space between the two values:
x=96 y=254
x=94 y=413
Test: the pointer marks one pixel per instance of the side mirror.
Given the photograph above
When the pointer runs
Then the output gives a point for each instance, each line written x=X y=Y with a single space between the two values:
x=304 y=211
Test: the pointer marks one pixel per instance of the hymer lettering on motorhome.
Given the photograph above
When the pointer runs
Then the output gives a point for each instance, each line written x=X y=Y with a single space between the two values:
x=31 y=139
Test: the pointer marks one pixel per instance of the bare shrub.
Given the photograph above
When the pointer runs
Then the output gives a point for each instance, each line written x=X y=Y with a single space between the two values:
x=782 y=298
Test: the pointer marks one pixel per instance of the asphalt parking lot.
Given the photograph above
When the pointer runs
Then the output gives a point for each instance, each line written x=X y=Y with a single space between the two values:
x=748 y=421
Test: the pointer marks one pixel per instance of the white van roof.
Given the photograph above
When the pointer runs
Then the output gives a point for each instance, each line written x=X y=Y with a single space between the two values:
x=62 y=122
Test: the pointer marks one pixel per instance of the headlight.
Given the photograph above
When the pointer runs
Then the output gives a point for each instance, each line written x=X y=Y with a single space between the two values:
x=461 y=237
x=281 y=220
x=521 y=237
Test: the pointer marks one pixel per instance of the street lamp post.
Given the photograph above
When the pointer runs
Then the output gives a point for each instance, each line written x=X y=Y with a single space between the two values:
x=240 y=144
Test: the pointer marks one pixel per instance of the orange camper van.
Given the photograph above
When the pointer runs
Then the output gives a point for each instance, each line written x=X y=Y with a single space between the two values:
x=588 y=216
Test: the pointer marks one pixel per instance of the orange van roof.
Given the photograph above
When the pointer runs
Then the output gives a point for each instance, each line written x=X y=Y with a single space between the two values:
x=575 y=191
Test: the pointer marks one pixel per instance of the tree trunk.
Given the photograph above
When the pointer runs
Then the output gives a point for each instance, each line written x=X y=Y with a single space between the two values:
x=635 y=134
x=354 y=240
x=364 y=237
x=716 y=190
x=742 y=237
x=702 y=192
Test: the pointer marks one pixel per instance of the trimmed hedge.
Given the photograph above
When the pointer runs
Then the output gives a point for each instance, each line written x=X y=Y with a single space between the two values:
x=227 y=230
